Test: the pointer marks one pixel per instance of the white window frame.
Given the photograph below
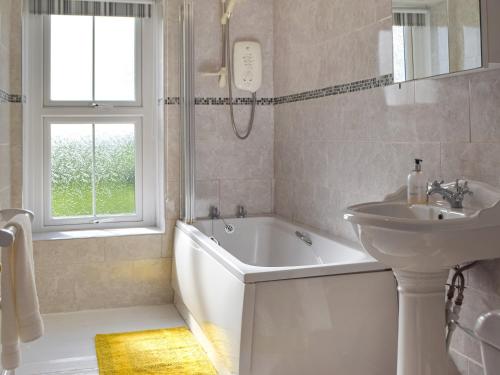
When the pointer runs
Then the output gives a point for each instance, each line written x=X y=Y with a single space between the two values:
x=146 y=112
x=74 y=103
x=117 y=218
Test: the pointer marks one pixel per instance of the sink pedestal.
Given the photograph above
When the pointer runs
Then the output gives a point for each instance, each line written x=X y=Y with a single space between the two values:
x=422 y=334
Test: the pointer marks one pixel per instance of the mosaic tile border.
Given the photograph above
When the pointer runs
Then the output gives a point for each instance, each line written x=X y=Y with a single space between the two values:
x=236 y=101
x=5 y=97
x=221 y=101
x=173 y=100
x=366 y=84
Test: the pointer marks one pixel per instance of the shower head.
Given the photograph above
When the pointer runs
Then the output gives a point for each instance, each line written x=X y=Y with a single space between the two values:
x=228 y=10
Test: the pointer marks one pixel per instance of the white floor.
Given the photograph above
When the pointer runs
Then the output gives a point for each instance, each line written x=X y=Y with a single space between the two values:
x=68 y=344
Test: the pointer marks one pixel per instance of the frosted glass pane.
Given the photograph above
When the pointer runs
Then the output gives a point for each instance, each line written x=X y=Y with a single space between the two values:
x=71 y=174
x=115 y=168
x=115 y=58
x=71 y=58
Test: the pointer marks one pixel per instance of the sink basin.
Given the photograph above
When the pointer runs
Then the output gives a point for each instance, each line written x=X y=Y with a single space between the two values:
x=421 y=243
x=433 y=237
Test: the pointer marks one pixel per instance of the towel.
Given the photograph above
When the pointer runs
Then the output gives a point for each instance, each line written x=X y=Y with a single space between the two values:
x=21 y=319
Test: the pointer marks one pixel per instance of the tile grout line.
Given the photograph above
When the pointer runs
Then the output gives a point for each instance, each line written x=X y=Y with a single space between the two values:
x=470 y=110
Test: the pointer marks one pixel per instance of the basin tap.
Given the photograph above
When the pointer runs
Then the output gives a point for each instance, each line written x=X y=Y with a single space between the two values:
x=453 y=196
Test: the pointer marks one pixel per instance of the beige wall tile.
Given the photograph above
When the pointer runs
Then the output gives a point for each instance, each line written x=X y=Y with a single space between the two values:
x=92 y=285
x=207 y=195
x=233 y=160
x=5 y=198
x=62 y=252
x=5 y=123
x=5 y=166
x=485 y=111
x=254 y=195
x=5 y=15
x=168 y=239
x=173 y=199
x=474 y=368
x=442 y=109
x=258 y=26
x=4 y=68
x=15 y=48
x=173 y=143
x=131 y=248
x=172 y=46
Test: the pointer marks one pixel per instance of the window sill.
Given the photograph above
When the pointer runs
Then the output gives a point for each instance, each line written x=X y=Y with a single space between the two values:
x=96 y=233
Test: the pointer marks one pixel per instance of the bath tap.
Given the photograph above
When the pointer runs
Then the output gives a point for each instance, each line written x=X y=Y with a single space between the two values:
x=454 y=197
x=304 y=238
x=242 y=212
x=214 y=213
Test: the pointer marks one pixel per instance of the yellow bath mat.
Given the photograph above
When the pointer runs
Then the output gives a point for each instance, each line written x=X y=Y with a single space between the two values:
x=172 y=351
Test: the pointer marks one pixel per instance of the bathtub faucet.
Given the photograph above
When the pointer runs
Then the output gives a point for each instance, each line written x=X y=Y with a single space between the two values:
x=242 y=212
x=304 y=238
x=214 y=213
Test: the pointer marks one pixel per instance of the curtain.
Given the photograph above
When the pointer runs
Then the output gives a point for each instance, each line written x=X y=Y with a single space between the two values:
x=409 y=19
x=90 y=8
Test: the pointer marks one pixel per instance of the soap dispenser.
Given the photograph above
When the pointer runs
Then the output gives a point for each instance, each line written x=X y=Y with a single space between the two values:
x=417 y=185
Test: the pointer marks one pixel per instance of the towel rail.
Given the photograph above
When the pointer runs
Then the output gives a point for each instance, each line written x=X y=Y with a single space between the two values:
x=8 y=234
x=7 y=238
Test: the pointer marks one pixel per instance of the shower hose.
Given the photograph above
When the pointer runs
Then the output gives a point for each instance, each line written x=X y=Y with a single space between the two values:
x=230 y=85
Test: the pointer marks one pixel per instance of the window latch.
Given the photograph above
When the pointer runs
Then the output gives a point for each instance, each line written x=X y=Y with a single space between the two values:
x=100 y=106
x=101 y=221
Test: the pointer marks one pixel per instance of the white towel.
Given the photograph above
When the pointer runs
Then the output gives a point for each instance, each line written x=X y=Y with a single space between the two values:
x=21 y=319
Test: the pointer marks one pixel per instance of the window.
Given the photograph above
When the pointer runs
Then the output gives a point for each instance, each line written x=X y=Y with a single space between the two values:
x=103 y=51
x=94 y=169
x=93 y=122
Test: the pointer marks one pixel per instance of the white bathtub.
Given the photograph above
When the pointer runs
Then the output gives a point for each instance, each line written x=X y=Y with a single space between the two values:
x=264 y=302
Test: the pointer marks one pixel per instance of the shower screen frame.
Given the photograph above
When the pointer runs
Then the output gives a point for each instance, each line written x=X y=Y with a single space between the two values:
x=187 y=103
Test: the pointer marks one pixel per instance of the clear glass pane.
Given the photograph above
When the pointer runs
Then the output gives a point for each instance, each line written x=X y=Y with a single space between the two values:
x=115 y=169
x=71 y=58
x=71 y=174
x=115 y=58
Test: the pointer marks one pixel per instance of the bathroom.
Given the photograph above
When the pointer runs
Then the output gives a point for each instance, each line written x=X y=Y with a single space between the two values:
x=337 y=122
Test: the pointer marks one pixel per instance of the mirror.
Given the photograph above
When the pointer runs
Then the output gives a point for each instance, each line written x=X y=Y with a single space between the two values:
x=434 y=37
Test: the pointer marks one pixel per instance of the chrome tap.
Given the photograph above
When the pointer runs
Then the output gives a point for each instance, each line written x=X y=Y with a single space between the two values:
x=214 y=213
x=242 y=212
x=454 y=196
x=304 y=238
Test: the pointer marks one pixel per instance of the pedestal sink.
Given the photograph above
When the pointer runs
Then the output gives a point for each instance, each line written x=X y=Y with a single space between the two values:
x=421 y=243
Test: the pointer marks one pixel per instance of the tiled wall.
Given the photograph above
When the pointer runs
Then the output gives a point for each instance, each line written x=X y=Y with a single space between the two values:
x=230 y=172
x=10 y=108
x=97 y=273
x=338 y=150
x=122 y=271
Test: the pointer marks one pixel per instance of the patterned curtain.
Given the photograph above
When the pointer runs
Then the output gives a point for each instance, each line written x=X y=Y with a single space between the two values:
x=409 y=19
x=90 y=8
